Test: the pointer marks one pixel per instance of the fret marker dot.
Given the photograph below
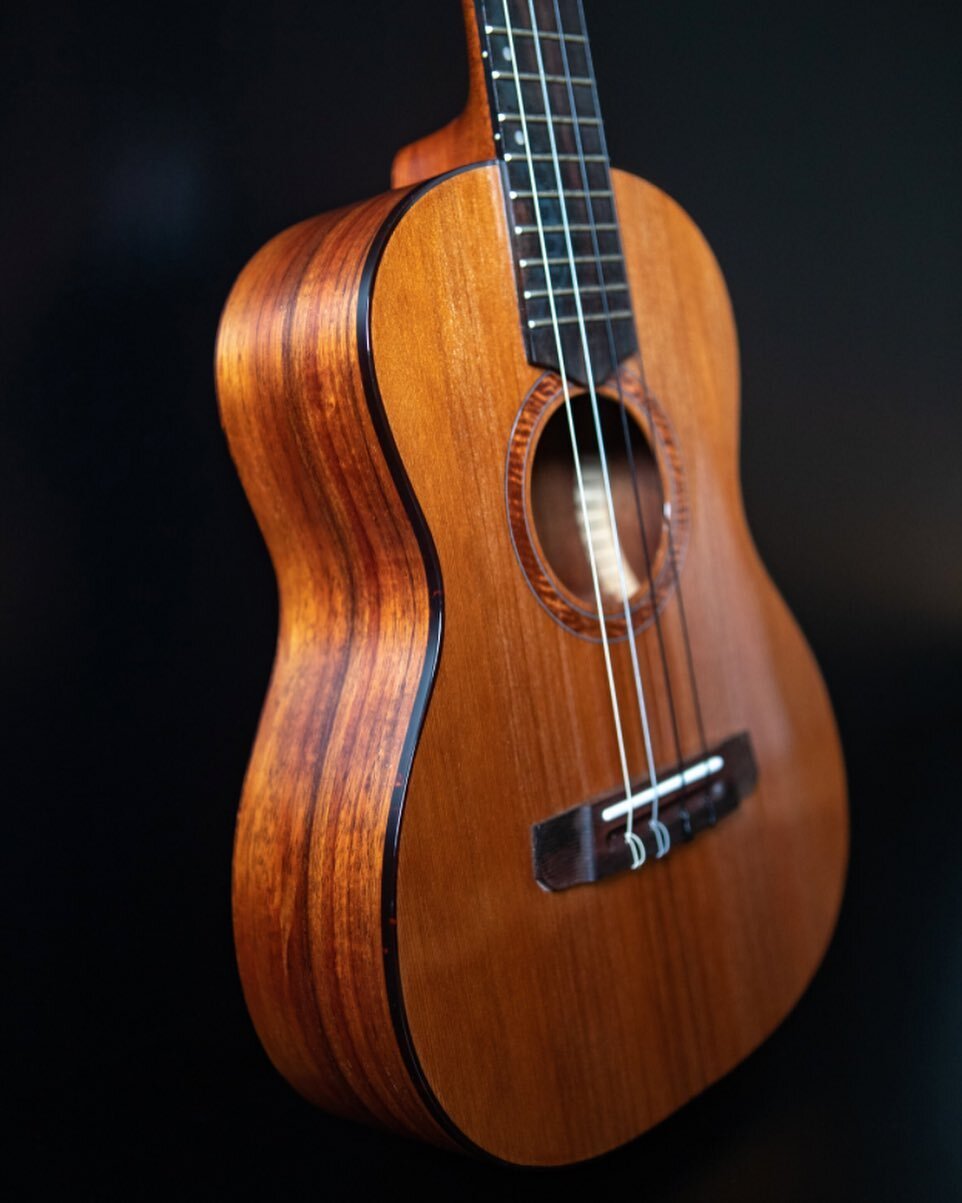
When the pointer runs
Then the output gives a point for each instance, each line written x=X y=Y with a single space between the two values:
x=519 y=137
x=506 y=53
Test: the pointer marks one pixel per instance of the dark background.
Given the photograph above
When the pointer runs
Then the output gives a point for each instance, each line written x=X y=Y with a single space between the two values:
x=147 y=151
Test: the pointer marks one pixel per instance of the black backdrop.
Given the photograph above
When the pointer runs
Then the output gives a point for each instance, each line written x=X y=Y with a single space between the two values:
x=148 y=150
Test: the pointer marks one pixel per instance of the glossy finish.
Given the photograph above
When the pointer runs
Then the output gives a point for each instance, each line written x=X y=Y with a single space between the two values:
x=354 y=638
x=547 y=1027
x=554 y=1026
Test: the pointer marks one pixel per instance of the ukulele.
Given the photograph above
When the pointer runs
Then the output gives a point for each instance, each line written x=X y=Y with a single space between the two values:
x=545 y=824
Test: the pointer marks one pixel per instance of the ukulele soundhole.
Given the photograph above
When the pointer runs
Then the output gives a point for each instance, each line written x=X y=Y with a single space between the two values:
x=558 y=523
x=568 y=525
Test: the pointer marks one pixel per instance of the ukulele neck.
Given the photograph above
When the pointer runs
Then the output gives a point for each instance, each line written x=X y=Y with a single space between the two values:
x=572 y=286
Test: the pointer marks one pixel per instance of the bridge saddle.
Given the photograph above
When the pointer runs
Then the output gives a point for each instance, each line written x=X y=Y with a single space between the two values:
x=587 y=842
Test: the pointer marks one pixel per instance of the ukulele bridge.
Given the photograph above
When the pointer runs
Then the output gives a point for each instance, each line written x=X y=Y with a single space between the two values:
x=588 y=842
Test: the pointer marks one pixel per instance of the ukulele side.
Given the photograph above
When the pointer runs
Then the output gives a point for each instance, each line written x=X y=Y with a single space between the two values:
x=359 y=634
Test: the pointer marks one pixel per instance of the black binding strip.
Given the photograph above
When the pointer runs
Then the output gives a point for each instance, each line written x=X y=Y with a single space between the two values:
x=435 y=588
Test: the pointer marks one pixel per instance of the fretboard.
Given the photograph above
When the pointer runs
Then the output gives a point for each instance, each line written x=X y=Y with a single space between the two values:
x=572 y=287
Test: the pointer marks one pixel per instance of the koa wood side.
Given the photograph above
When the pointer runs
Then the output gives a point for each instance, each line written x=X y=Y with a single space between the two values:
x=356 y=627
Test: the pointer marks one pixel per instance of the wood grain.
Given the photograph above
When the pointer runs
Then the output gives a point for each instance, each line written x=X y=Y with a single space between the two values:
x=554 y=1026
x=354 y=635
x=440 y=992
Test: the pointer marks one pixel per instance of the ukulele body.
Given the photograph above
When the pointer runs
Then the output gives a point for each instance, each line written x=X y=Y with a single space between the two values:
x=429 y=703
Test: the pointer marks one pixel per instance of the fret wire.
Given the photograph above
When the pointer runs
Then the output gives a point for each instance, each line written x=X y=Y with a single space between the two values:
x=614 y=315
x=528 y=33
x=529 y=195
x=581 y=227
x=539 y=158
x=580 y=81
x=534 y=294
x=553 y=261
x=543 y=119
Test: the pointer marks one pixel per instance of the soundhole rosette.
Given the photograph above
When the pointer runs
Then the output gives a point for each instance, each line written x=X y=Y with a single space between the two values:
x=547 y=520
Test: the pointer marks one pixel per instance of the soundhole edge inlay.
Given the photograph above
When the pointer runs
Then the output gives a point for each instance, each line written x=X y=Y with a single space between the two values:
x=545 y=516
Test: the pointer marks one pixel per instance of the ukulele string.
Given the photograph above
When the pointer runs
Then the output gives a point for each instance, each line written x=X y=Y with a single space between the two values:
x=609 y=328
x=536 y=205
x=672 y=557
x=658 y=829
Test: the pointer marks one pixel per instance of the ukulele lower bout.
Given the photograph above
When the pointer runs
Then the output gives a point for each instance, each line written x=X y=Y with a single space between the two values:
x=400 y=959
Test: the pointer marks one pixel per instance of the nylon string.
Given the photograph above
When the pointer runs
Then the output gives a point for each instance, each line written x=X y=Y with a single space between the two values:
x=672 y=557
x=549 y=286
x=589 y=204
x=658 y=829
